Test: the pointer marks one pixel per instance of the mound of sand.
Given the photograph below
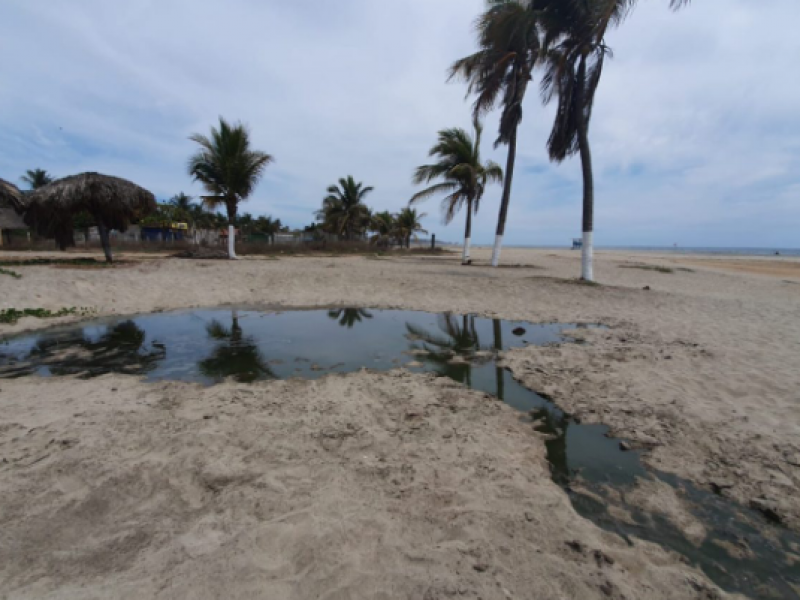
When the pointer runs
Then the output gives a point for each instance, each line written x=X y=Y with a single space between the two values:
x=359 y=486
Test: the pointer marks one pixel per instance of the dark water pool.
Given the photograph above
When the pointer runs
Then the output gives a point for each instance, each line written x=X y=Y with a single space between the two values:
x=209 y=346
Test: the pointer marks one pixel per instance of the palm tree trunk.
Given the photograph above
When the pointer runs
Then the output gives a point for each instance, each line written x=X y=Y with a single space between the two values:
x=467 y=234
x=501 y=220
x=587 y=252
x=231 y=206
x=104 y=240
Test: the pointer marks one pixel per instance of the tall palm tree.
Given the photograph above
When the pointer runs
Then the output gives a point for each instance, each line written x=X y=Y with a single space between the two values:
x=37 y=178
x=228 y=168
x=574 y=56
x=343 y=210
x=465 y=176
x=509 y=41
x=407 y=224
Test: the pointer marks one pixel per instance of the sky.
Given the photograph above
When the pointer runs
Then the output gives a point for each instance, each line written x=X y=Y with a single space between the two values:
x=695 y=133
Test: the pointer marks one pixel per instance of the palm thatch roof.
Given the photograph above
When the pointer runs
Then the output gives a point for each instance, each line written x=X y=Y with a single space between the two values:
x=112 y=201
x=9 y=219
x=11 y=196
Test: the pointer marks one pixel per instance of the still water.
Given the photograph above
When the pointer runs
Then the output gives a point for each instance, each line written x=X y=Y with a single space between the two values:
x=209 y=346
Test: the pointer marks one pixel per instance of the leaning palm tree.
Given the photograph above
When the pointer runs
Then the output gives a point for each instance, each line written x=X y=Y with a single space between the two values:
x=37 y=178
x=465 y=176
x=343 y=210
x=407 y=225
x=576 y=51
x=509 y=41
x=113 y=203
x=228 y=168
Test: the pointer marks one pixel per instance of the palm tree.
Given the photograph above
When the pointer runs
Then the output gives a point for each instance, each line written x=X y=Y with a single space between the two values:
x=408 y=225
x=37 y=178
x=464 y=175
x=228 y=168
x=509 y=41
x=182 y=201
x=343 y=210
x=576 y=51
x=384 y=226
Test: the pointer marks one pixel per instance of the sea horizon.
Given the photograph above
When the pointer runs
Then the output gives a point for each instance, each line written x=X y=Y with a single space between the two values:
x=716 y=250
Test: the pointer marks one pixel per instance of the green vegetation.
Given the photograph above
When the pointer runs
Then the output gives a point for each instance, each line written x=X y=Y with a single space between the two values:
x=13 y=274
x=38 y=262
x=657 y=269
x=12 y=315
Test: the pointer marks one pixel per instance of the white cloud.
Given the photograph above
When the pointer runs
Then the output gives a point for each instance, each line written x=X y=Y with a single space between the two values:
x=695 y=132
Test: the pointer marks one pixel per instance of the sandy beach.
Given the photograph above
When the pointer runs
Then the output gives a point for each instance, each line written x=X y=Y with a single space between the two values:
x=395 y=485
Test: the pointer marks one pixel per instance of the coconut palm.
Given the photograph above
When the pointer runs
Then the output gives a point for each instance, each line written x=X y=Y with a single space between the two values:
x=407 y=225
x=465 y=176
x=183 y=202
x=574 y=57
x=37 y=178
x=343 y=210
x=228 y=168
x=509 y=41
x=113 y=203
x=383 y=226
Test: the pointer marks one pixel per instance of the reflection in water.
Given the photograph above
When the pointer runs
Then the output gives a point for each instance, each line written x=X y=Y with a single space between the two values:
x=235 y=354
x=450 y=353
x=121 y=348
x=348 y=317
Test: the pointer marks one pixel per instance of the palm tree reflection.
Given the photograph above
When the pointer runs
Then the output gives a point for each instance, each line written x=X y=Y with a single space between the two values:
x=450 y=354
x=121 y=348
x=235 y=354
x=348 y=317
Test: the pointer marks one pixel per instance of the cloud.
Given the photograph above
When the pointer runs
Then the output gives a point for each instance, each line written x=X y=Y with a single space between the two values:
x=695 y=133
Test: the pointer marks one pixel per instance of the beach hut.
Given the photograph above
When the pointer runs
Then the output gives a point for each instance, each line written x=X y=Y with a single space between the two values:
x=12 y=204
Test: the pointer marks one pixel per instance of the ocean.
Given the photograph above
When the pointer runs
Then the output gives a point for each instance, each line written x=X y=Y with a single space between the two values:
x=720 y=251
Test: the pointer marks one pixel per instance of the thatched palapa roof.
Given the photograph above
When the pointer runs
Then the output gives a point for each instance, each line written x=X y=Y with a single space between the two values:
x=9 y=219
x=114 y=202
x=11 y=196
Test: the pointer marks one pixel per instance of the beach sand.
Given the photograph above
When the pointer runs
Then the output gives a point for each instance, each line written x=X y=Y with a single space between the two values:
x=394 y=485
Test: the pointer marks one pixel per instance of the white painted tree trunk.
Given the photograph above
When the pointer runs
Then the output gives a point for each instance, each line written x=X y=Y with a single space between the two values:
x=587 y=257
x=231 y=242
x=465 y=256
x=498 y=242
